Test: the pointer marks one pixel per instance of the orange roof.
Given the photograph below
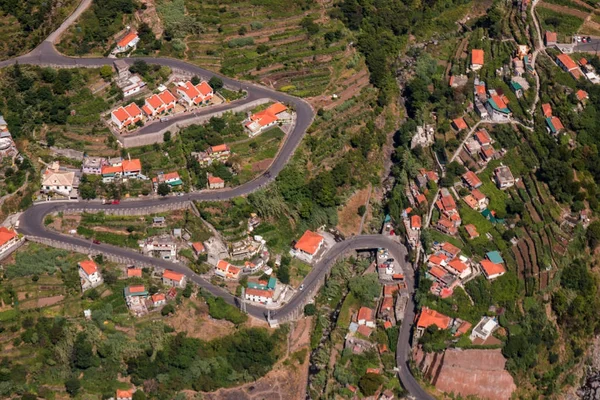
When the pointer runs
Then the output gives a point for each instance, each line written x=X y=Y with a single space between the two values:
x=132 y=165
x=581 y=95
x=448 y=203
x=172 y=275
x=470 y=200
x=215 y=179
x=127 y=39
x=264 y=117
x=500 y=101
x=398 y=276
x=477 y=56
x=387 y=303
x=189 y=89
x=6 y=235
x=389 y=290
x=364 y=330
x=583 y=61
x=491 y=268
x=430 y=317
x=204 y=88
x=133 y=110
x=421 y=198
x=223 y=265
x=234 y=270
x=120 y=114
x=472 y=231
x=373 y=371
x=450 y=248
x=276 y=108
x=557 y=123
x=170 y=175
x=551 y=37
x=477 y=195
x=147 y=110
x=107 y=169
x=458 y=265
x=198 y=246
x=131 y=272
x=567 y=61
x=482 y=137
x=382 y=348
x=88 y=266
x=415 y=221
x=219 y=148
x=387 y=324
x=137 y=289
x=167 y=97
x=463 y=328
x=259 y=292
x=460 y=123
x=309 y=242
x=158 y=297
x=472 y=179
x=437 y=259
x=444 y=222
x=154 y=101
x=480 y=89
x=488 y=151
x=124 y=394
x=437 y=272
x=365 y=313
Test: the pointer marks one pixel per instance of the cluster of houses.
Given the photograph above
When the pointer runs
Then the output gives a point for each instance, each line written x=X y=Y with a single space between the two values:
x=479 y=146
x=257 y=290
x=113 y=169
x=448 y=269
x=262 y=120
x=481 y=334
x=577 y=70
x=139 y=300
x=219 y=153
x=184 y=93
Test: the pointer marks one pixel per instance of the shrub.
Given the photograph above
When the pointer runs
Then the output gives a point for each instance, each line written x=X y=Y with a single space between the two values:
x=310 y=309
x=168 y=309
x=240 y=42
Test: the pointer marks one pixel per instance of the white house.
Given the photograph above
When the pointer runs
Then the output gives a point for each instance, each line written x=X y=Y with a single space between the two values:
x=214 y=182
x=191 y=95
x=497 y=108
x=56 y=181
x=484 y=328
x=263 y=120
x=307 y=247
x=123 y=117
x=259 y=295
x=159 y=103
x=7 y=239
x=129 y=41
x=227 y=271
x=172 y=278
x=161 y=246
x=93 y=165
x=89 y=269
x=159 y=299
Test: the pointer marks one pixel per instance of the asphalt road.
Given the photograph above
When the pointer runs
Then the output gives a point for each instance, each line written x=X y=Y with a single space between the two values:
x=31 y=221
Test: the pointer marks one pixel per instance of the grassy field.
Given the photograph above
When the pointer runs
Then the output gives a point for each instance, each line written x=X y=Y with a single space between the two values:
x=563 y=24
x=256 y=154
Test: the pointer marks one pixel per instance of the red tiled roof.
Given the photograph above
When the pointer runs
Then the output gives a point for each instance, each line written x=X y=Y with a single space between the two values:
x=132 y=165
x=460 y=123
x=366 y=314
x=583 y=61
x=477 y=195
x=147 y=110
x=477 y=56
x=472 y=231
x=450 y=248
x=259 y=292
x=133 y=110
x=463 y=328
x=204 y=88
x=276 y=108
x=264 y=118
x=389 y=290
x=437 y=272
x=480 y=89
x=437 y=259
x=483 y=137
x=387 y=303
x=421 y=198
x=171 y=175
x=154 y=101
x=581 y=95
x=127 y=39
x=500 y=101
x=387 y=324
x=215 y=179
x=172 y=275
x=219 y=148
x=131 y=272
x=88 y=266
x=458 y=265
x=373 y=371
x=491 y=268
x=124 y=394
x=430 y=317
x=551 y=37
x=6 y=235
x=198 y=247
x=120 y=114
x=137 y=289
x=547 y=109
x=567 y=61
x=364 y=330
x=190 y=90
x=107 y=169
x=470 y=200
x=415 y=221
x=158 y=297
x=167 y=97
x=309 y=242
x=448 y=203
x=557 y=123
x=472 y=179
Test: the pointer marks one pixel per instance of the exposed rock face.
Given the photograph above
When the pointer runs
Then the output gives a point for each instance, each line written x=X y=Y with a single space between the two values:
x=591 y=389
x=473 y=372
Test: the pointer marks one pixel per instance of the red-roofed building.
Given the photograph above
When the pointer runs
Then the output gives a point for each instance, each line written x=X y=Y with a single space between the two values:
x=159 y=103
x=264 y=119
x=128 y=42
x=198 y=248
x=487 y=152
x=446 y=226
x=547 y=110
x=159 y=299
x=214 y=182
x=568 y=65
x=259 y=295
x=472 y=231
x=477 y=59
x=463 y=328
x=387 y=325
x=472 y=179
x=124 y=394
x=492 y=270
x=550 y=38
x=172 y=278
x=449 y=250
x=134 y=272
x=227 y=271
x=458 y=267
x=446 y=204
x=459 y=124
x=429 y=317
x=554 y=125
x=389 y=290
x=131 y=168
x=483 y=137
x=415 y=222
x=89 y=270
x=437 y=260
x=308 y=246
x=582 y=95
x=497 y=107
x=123 y=117
x=365 y=317
x=364 y=330
x=421 y=199
x=7 y=239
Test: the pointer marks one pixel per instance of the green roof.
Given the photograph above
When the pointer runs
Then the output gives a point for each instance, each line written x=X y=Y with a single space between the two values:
x=176 y=182
x=272 y=283
x=495 y=107
x=551 y=125
x=495 y=257
x=515 y=86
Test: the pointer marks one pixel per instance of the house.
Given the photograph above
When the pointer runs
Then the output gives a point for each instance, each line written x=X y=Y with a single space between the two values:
x=263 y=120
x=446 y=226
x=472 y=231
x=89 y=269
x=122 y=69
x=449 y=250
x=170 y=178
x=550 y=38
x=458 y=267
x=172 y=278
x=227 y=271
x=482 y=200
x=483 y=137
x=214 y=182
x=459 y=124
x=479 y=91
x=429 y=317
x=135 y=291
x=7 y=239
x=472 y=180
x=220 y=152
x=198 y=248
x=93 y=165
x=129 y=41
x=446 y=203
x=132 y=86
x=487 y=152
x=495 y=257
x=365 y=317
x=477 y=57
x=159 y=103
x=110 y=173
x=517 y=88
x=568 y=65
x=132 y=168
x=134 y=272
x=160 y=246
x=503 y=177
x=582 y=95
x=484 y=329
x=415 y=222
x=191 y=95
x=124 y=394
x=158 y=299
x=554 y=125
x=122 y=117
x=471 y=202
x=497 y=108
x=547 y=110
x=491 y=270
x=56 y=181
x=259 y=295
x=308 y=246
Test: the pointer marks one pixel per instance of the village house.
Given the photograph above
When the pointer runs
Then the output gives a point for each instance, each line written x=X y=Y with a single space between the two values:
x=483 y=137
x=547 y=110
x=554 y=125
x=307 y=247
x=472 y=231
x=132 y=86
x=122 y=117
x=459 y=124
x=582 y=96
x=89 y=274
x=132 y=168
x=415 y=222
x=198 y=248
x=386 y=308
x=214 y=153
x=503 y=177
x=93 y=165
x=429 y=317
x=517 y=88
x=551 y=38
x=459 y=267
x=158 y=299
x=472 y=180
x=227 y=271
x=365 y=317
x=446 y=204
x=174 y=279
x=129 y=41
x=480 y=91
x=159 y=103
x=498 y=109
x=426 y=176
x=214 y=182
x=170 y=178
x=568 y=65
x=160 y=246
x=121 y=169
x=445 y=225
x=57 y=180
x=484 y=329
x=135 y=298
x=265 y=119
x=191 y=95
x=477 y=59
x=124 y=394
x=259 y=295
x=7 y=239
x=491 y=270
x=133 y=272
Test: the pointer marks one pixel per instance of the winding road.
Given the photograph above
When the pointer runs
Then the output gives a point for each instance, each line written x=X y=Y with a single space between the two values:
x=31 y=221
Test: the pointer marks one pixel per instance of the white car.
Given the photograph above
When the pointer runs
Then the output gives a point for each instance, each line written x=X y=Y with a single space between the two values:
x=301 y=288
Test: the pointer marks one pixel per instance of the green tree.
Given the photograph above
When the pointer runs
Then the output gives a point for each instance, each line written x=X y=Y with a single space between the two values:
x=139 y=395
x=310 y=309
x=106 y=72
x=370 y=383
x=167 y=309
x=216 y=83
x=195 y=80
x=362 y=209
x=593 y=234
x=83 y=353
x=72 y=386
x=163 y=189
x=365 y=287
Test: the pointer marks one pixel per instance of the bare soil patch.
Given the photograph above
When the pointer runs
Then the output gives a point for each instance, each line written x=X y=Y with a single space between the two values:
x=349 y=220
x=193 y=319
x=49 y=301
x=262 y=165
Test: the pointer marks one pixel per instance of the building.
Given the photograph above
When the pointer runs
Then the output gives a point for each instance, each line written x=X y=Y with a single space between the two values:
x=191 y=95
x=93 y=165
x=160 y=246
x=472 y=231
x=132 y=86
x=472 y=180
x=429 y=317
x=568 y=65
x=60 y=182
x=458 y=267
x=170 y=178
x=449 y=250
x=365 y=317
x=550 y=38
x=484 y=329
x=477 y=59
x=110 y=173
x=172 y=278
x=308 y=246
x=198 y=248
x=503 y=177
x=554 y=125
x=227 y=271
x=259 y=295
x=214 y=153
x=498 y=109
x=459 y=124
x=415 y=222
x=134 y=272
x=158 y=299
x=517 y=88
x=132 y=168
x=491 y=270
x=495 y=257
x=123 y=117
x=265 y=119
x=7 y=239
x=582 y=96
x=214 y=182
x=547 y=110
x=159 y=103
x=480 y=198
x=129 y=41
x=483 y=137
x=124 y=394
x=90 y=270
x=446 y=204
x=122 y=69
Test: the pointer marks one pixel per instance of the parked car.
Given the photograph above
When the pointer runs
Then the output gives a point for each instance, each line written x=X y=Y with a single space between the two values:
x=301 y=288
x=115 y=202
x=96 y=241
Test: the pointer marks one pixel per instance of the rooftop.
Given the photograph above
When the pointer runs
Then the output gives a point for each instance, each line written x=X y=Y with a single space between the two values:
x=309 y=242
